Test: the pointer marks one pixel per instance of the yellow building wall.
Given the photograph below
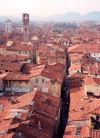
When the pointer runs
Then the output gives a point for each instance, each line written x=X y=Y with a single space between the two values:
x=92 y=88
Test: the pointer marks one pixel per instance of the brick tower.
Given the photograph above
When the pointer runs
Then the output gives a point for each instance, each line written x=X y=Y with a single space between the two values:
x=25 y=20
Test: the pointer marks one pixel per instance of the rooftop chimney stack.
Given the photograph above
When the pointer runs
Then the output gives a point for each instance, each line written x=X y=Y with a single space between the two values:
x=39 y=125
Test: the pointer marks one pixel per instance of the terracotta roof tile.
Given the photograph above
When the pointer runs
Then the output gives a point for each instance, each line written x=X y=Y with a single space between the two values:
x=10 y=66
x=20 y=47
x=71 y=130
x=85 y=48
x=92 y=81
x=81 y=105
x=96 y=111
x=17 y=76
x=75 y=66
x=3 y=75
x=52 y=74
x=95 y=133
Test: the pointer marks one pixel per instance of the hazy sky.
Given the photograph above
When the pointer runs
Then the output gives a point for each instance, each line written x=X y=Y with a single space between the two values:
x=45 y=8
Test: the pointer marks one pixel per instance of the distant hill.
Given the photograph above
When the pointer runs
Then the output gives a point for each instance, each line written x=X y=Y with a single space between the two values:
x=95 y=16
x=2 y=18
x=19 y=19
x=74 y=16
x=70 y=16
x=35 y=18
x=66 y=17
x=12 y=18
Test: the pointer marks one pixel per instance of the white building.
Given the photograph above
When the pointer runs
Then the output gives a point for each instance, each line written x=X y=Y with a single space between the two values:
x=8 y=26
x=96 y=56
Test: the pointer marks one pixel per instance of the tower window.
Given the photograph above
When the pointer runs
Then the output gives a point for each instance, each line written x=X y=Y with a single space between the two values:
x=36 y=80
x=25 y=17
x=25 y=29
x=42 y=80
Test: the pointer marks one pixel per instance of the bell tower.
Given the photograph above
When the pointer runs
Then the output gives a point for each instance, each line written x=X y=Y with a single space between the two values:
x=25 y=21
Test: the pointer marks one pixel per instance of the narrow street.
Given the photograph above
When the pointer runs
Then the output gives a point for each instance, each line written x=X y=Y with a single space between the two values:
x=65 y=100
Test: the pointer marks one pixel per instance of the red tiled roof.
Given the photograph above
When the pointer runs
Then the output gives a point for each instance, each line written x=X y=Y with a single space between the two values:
x=96 y=111
x=71 y=130
x=81 y=105
x=24 y=100
x=76 y=57
x=46 y=104
x=85 y=48
x=17 y=76
x=36 y=72
x=75 y=66
x=56 y=67
x=94 y=69
x=52 y=74
x=77 y=76
x=21 y=58
x=45 y=110
x=76 y=104
x=20 y=48
x=10 y=66
x=3 y=75
x=95 y=133
x=10 y=135
x=9 y=58
x=92 y=81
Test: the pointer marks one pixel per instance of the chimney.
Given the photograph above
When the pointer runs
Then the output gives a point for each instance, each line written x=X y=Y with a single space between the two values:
x=39 y=125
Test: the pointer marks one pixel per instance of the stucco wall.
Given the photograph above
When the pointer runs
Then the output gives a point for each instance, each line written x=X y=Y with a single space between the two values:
x=92 y=88
x=96 y=56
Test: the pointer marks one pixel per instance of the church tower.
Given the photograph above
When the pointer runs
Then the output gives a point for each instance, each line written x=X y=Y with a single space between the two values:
x=25 y=20
x=8 y=26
